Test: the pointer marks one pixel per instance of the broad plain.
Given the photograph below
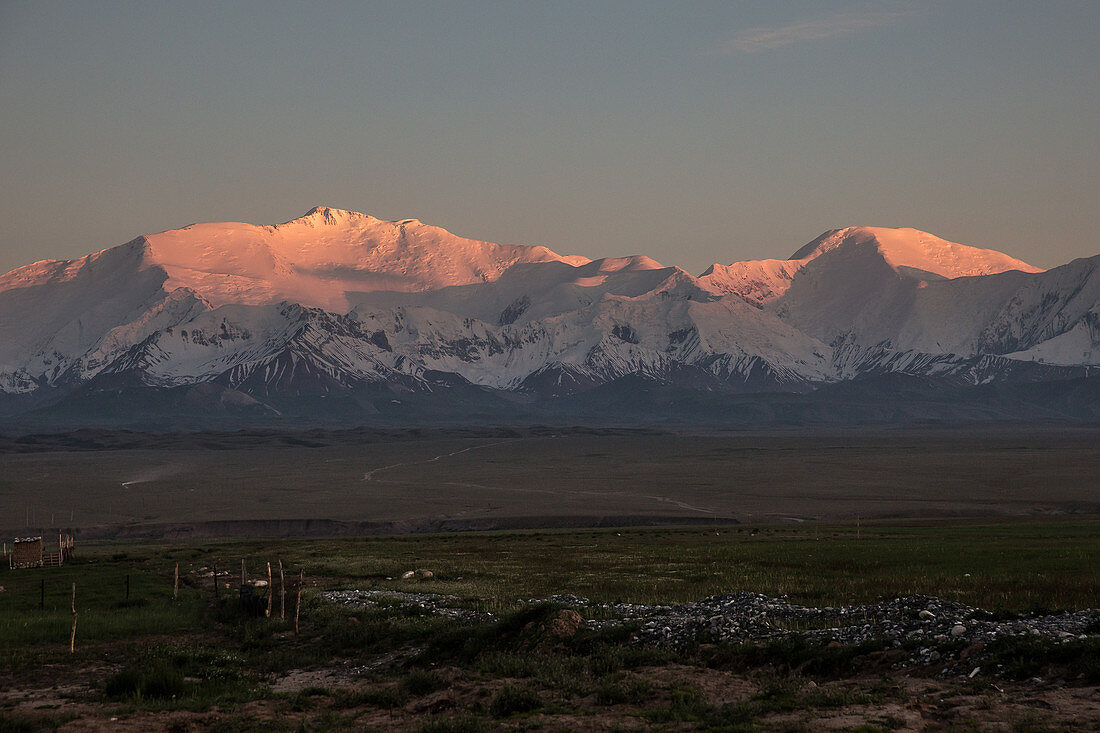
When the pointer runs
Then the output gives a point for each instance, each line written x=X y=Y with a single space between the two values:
x=271 y=483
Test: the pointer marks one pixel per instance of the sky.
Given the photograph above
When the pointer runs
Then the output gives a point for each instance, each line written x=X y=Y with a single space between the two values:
x=692 y=132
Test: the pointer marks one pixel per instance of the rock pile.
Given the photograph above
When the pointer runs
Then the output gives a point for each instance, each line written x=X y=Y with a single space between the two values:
x=439 y=604
x=740 y=617
x=934 y=630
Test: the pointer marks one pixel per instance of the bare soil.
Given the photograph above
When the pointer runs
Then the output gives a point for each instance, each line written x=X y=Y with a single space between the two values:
x=909 y=704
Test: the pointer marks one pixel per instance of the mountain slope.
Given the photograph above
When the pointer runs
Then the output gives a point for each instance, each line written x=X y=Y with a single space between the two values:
x=917 y=253
x=66 y=320
x=908 y=252
x=336 y=302
x=867 y=295
x=315 y=259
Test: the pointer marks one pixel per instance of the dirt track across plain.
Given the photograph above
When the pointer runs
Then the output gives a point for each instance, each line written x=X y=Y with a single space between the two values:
x=513 y=478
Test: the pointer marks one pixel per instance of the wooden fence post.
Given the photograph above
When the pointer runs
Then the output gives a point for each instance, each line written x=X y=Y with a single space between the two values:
x=270 y=593
x=176 y=583
x=72 y=639
x=282 y=593
x=298 y=603
x=215 y=581
x=244 y=573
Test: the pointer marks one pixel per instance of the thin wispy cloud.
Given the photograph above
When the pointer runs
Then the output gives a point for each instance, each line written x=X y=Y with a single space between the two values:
x=753 y=40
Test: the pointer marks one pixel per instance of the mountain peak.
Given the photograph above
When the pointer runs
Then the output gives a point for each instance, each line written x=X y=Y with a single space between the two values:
x=329 y=215
x=915 y=250
x=321 y=256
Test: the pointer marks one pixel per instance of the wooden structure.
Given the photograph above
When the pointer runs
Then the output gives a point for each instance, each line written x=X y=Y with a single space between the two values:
x=26 y=552
x=30 y=552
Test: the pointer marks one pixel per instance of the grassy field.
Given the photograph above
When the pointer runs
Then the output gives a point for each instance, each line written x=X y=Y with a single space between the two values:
x=160 y=662
x=1009 y=566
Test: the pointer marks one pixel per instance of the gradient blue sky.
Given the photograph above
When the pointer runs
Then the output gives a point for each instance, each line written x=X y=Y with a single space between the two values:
x=691 y=132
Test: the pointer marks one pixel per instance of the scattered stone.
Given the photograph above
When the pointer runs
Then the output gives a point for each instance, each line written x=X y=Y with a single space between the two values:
x=425 y=574
x=561 y=599
x=974 y=672
x=751 y=618
x=408 y=575
x=433 y=603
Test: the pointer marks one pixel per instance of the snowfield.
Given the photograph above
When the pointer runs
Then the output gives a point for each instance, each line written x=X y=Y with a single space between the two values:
x=337 y=299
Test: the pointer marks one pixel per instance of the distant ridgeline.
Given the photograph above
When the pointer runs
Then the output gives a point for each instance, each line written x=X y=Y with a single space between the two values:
x=340 y=318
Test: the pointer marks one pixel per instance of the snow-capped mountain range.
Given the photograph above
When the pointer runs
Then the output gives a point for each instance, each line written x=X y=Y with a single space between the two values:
x=339 y=301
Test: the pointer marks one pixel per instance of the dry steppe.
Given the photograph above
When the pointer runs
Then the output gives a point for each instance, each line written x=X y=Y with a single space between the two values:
x=366 y=481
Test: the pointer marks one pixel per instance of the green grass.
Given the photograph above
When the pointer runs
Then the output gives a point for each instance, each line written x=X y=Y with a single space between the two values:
x=1008 y=568
x=514 y=700
x=1011 y=566
x=1029 y=656
x=689 y=705
x=104 y=614
x=195 y=653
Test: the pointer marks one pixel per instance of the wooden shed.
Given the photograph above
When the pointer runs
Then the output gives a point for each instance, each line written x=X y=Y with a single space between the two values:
x=30 y=552
x=26 y=552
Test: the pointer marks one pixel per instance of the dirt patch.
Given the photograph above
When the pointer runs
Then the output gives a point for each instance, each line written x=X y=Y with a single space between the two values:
x=333 y=696
x=562 y=625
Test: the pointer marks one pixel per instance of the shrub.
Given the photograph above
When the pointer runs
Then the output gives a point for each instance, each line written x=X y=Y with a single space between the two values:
x=512 y=700
x=1023 y=657
x=421 y=682
x=151 y=680
x=613 y=690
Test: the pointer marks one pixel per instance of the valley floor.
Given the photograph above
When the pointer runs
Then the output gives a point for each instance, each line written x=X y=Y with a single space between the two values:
x=104 y=484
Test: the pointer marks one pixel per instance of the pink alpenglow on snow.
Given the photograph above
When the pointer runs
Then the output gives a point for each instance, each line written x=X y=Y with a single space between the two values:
x=339 y=298
x=317 y=258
